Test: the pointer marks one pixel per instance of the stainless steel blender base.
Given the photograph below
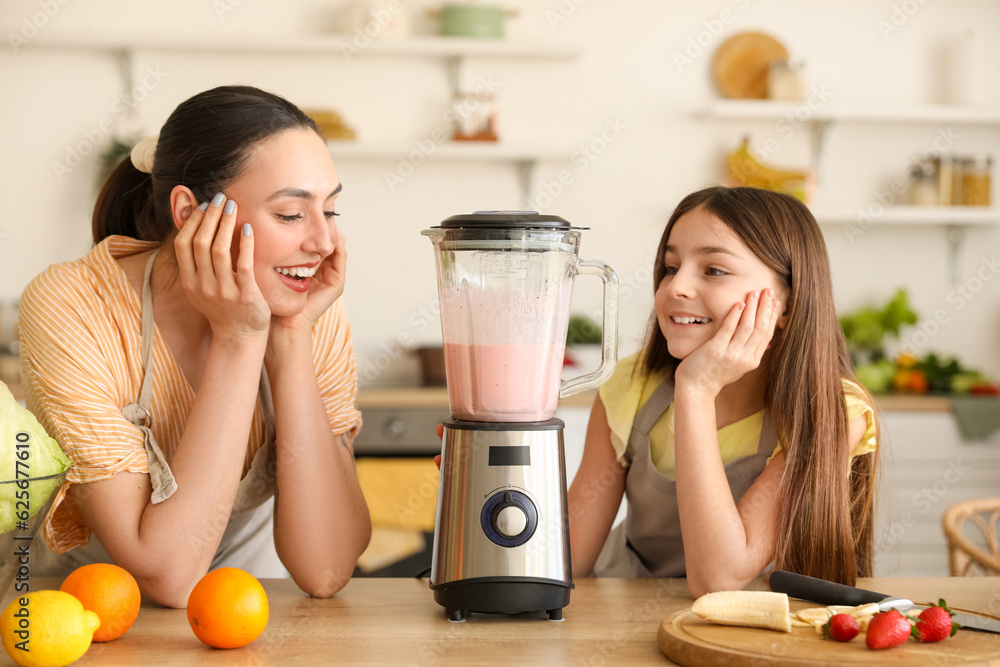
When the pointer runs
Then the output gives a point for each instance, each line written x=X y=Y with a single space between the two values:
x=501 y=539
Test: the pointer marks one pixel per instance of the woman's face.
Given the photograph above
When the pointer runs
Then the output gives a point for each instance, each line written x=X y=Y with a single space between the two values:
x=708 y=271
x=287 y=195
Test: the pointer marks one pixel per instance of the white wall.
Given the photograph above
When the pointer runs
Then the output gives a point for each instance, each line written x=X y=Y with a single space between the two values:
x=56 y=100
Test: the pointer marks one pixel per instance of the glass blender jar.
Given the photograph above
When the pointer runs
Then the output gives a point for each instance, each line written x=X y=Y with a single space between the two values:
x=501 y=533
x=505 y=282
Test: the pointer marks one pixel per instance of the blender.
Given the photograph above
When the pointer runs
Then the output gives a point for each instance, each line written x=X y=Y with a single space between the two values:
x=505 y=284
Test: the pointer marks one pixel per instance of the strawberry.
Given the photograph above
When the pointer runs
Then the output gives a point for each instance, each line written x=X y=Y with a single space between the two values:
x=934 y=623
x=841 y=628
x=887 y=629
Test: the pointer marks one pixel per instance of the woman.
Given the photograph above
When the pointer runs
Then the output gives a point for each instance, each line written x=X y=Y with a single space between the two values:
x=198 y=360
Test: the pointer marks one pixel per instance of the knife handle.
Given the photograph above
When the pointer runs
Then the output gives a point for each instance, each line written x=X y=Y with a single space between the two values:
x=820 y=590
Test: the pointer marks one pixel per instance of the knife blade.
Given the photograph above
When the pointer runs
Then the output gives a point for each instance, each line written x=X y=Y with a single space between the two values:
x=828 y=593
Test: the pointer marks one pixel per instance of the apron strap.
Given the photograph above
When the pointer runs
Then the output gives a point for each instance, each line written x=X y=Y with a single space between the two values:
x=654 y=408
x=160 y=476
x=148 y=335
x=646 y=418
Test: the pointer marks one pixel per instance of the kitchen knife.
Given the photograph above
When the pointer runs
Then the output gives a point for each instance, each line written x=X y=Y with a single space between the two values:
x=828 y=592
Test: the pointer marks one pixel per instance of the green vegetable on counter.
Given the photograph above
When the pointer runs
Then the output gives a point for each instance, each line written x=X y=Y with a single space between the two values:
x=27 y=454
x=866 y=329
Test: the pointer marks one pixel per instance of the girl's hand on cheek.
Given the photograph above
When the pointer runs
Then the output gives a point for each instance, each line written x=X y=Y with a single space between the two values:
x=228 y=298
x=735 y=349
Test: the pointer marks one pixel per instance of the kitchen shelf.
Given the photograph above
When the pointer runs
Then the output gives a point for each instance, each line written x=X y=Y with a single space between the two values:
x=464 y=151
x=926 y=113
x=454 y=50
x=818 y=122
x=430 y=46
x=525 y=158
x=915 y=215
x=821 y=118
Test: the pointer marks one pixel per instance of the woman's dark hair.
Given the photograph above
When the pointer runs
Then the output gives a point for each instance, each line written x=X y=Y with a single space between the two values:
x=204 y=145
x=826 y=527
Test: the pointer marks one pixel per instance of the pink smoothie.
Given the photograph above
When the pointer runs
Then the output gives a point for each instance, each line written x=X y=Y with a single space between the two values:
x=501 y=383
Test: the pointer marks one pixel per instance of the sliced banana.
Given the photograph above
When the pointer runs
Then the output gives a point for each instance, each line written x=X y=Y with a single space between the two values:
x=817 y=617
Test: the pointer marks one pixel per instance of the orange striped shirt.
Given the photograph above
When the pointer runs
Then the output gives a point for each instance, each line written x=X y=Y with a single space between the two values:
x=80 y=332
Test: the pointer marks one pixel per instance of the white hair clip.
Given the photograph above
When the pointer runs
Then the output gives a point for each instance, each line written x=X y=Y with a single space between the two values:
x=142 y=154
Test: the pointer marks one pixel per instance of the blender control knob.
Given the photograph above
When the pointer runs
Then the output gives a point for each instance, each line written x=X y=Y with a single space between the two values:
x=509 y=518
x=511 y=521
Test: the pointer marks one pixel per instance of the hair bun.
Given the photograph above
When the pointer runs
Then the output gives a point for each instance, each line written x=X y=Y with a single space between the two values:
x=142 y=154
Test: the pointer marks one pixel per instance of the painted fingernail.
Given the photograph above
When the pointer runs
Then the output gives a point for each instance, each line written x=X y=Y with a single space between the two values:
x=230 y=207
x=204 y=206
x=246 y=229
x=218 y=199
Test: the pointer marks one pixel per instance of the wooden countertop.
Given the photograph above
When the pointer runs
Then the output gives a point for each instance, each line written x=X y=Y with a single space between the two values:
x=397 y=622
x=415 y=398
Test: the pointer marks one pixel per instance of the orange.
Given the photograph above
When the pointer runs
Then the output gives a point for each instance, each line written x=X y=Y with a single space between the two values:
x=227 y=608
x=110 y=592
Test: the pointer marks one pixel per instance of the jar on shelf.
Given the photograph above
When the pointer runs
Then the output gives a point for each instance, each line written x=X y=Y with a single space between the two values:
x=976 y=180
x=944 y=165
x=786 y=81
x=474 y=117
x=924 y=184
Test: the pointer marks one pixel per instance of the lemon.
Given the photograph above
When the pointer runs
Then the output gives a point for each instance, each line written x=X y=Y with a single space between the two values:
x=26 y=452
x=47 y=629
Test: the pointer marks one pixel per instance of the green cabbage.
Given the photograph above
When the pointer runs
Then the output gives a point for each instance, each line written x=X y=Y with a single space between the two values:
x=27 y=453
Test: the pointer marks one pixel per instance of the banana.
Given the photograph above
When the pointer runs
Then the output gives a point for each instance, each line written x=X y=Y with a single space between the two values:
x=754 y=609
x=817 y=617
x=743 y=169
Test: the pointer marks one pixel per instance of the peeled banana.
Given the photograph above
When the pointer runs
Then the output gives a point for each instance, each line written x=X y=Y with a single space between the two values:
x=745 y=170
x=753 y=609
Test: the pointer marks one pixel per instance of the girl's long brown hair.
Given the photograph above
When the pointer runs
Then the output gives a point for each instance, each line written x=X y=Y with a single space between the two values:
x=825 y=527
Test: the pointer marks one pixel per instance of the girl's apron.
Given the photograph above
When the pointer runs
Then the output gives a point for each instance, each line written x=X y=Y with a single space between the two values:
x=248 y=541
x=648 y=542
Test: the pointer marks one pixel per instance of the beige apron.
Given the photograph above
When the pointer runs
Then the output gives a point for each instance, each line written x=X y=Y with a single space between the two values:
x=648 y=543
x=248 y=541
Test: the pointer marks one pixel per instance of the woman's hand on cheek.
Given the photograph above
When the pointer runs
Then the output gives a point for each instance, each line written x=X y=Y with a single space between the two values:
x=736 y=348
x=230 y=299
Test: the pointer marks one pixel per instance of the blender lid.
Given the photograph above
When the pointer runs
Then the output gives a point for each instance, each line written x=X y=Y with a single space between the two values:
x=506 y=219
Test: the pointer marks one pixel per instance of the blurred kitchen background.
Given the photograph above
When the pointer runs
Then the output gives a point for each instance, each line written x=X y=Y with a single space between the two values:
x=883 y=114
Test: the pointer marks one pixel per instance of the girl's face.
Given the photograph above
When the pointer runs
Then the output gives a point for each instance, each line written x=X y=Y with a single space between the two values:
x=287 y=194
x=708 y=271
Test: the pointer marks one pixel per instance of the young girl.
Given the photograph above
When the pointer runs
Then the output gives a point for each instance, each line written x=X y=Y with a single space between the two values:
x=198 y=360
x=738 y=434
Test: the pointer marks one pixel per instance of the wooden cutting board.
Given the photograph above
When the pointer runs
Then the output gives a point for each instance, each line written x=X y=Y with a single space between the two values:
x=691 y=641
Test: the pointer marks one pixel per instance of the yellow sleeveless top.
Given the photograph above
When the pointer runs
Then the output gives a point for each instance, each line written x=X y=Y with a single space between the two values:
x=623 y=395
